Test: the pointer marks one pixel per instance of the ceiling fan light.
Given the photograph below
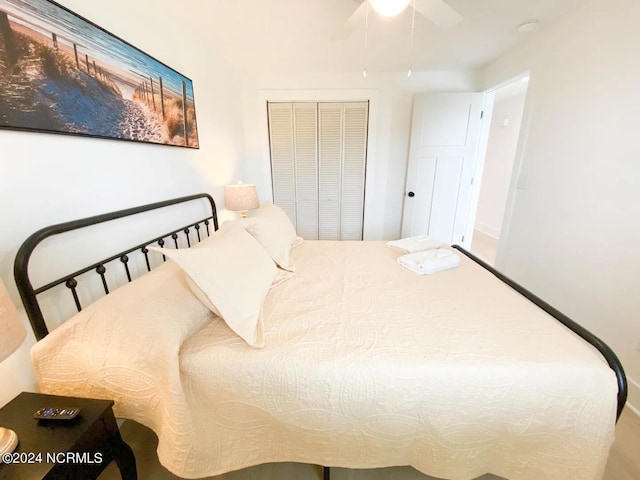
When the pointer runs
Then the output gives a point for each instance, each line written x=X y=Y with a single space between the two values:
x=389 y=8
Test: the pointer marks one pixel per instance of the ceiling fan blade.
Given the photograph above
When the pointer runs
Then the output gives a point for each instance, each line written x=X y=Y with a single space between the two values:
x=438 y=12
x=355 y=21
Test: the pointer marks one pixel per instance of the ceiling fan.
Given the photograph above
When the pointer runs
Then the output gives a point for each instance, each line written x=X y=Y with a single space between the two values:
x=436 y=11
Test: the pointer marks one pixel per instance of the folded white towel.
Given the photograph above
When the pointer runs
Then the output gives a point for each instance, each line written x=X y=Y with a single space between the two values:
x=430 y=261
x=415 y=244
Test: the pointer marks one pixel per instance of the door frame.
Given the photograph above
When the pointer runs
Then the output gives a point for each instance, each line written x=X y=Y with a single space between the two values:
x=481 y=155
x=257 y=121
x=516 y=172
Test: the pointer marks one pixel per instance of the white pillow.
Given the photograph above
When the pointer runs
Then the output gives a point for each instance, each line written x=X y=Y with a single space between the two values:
x=231 y=276
x=273 y=229
x=281 y=277
x=297 y=241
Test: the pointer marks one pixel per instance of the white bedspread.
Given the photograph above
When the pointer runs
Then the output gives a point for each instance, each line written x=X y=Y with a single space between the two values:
x=365 y=365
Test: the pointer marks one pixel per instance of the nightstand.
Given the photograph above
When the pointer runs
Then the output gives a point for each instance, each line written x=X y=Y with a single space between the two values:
x=77 y=449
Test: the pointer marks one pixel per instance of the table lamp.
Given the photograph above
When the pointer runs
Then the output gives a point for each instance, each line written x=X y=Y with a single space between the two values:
x=12 y=334
x=240 y=198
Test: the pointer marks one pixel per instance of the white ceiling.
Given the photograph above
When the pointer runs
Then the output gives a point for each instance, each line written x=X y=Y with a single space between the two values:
x=295 y=35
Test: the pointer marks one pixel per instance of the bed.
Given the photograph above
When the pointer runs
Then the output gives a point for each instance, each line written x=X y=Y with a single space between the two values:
x=363 y=363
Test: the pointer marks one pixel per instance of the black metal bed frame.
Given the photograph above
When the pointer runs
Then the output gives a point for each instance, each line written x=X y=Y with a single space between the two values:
x=604 y=349
x=21 y=266
x=29 y=294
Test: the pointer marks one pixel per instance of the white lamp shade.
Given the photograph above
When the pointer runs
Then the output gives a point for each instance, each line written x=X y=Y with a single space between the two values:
x=389 y=8
x=12 y=332
x=240 y=197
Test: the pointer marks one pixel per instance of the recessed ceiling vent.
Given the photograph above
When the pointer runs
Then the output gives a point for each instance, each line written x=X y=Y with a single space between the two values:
x=529 y=26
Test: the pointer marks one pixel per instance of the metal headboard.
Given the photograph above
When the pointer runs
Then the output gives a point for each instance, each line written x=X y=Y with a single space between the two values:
x=21 y=266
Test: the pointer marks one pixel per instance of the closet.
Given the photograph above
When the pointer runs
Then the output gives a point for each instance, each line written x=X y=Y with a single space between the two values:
x=318 y=163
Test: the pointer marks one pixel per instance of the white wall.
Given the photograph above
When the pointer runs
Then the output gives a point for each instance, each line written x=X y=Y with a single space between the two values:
x=501 y=151
x=47 y=179
x=391 y=100
x=574 y=234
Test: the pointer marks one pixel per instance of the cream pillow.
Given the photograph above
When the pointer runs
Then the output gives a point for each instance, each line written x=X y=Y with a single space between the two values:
x=273 y=229
x=281 y=276
x=231 y=276
x=296 y=241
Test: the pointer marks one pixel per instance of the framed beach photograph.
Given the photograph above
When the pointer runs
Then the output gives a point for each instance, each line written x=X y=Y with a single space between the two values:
x=61 y=73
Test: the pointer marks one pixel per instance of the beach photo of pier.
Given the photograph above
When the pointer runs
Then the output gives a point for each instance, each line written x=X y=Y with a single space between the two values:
x=61 y=73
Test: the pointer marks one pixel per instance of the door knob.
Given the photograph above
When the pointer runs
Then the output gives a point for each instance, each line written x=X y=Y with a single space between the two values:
x=411 y=194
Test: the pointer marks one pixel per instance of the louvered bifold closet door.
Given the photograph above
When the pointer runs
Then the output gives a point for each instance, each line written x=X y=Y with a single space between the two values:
x=329 y=169
x=342 y=153
x=305 y=134
x=355 y=118
x=283 y=168
x=318 y=155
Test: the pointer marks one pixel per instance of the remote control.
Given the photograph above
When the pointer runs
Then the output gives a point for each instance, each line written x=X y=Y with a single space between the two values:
x=53 y=413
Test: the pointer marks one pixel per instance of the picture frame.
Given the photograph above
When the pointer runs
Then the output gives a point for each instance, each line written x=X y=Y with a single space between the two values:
x=61 y=73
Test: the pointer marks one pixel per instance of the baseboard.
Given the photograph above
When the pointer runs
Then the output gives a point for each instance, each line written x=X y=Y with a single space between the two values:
x=633 y=410
x=633 y=400
x=487 y=230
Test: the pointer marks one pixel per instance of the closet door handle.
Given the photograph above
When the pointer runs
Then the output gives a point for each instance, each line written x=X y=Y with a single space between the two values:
x=411 y=194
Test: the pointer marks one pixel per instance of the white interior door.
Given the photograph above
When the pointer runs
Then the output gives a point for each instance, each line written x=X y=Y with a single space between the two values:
x=305 y=136
x=283 y=163
x=330 y=146
x=444 y=145
x=342 y=154
x=356 y=115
